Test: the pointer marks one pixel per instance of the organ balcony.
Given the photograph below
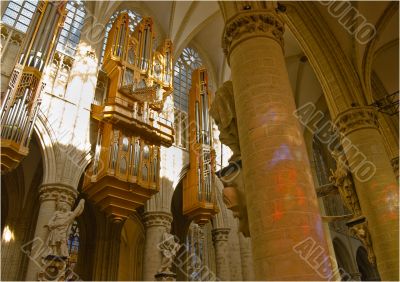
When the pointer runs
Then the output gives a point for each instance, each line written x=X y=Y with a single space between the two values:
x=199 y=199
x=132 y=123
x=20 y=104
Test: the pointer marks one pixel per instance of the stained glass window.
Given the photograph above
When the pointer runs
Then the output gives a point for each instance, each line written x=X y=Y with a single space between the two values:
x=71 y=31
x=73 y=247
x=135 y=17
x=19 y=14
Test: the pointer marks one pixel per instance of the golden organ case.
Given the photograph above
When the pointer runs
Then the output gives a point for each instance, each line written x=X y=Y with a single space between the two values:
x=131 y=123
x=20 y=104
x=199 y=199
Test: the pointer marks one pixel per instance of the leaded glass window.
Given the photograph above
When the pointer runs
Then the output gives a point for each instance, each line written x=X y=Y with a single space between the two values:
x=135 y=17
x=71 y=31
x=186 y=63
x=19 y=14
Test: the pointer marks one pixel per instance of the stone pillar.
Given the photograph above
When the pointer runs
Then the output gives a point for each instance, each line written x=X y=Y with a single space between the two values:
x=285 y=224
x=246 y=258
x=156 y=223
x=48 y=196
x=375 y=184
x=220 y=240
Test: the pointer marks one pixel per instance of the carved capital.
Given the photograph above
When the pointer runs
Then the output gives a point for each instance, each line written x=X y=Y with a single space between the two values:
x=57 y=191
x=249 y=24
x=152 y=219
x=220 y=234
x=355 y=119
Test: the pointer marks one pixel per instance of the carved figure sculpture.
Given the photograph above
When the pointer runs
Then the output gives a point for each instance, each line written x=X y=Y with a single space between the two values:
x=168 y=248
x=342 y=179
x=58 y=226
x=361 y=232
x=224 y=114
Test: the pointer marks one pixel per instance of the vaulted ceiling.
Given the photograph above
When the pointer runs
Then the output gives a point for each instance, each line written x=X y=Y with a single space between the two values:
x=199 y=24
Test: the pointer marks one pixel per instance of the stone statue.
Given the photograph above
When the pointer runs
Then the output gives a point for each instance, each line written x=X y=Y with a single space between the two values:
x=168 y=248
x=224 y=114
x=361 y=232
x=58 y=226
x=342 y=179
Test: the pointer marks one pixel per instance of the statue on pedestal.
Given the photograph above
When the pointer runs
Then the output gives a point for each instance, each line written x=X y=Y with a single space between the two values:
x=56 y=252
x=58 y=226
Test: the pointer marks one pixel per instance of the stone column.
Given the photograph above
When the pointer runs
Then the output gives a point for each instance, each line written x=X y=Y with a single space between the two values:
x=220 y=240
x=246 y=257
x=285 y=224
x=375 y=184
x=156 y=223
x=48 y=196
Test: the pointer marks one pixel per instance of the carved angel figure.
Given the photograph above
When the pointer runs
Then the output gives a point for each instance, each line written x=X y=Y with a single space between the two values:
x=58 y=226
x=168 y=248
x=342 y=179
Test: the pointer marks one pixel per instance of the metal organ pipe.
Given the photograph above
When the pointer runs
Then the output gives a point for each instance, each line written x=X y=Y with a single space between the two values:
x=31 y=124
x=38 y=37
x=23 y=127
x=10 y=119
x=21 y=111
x=5 y=101
x=49 y=34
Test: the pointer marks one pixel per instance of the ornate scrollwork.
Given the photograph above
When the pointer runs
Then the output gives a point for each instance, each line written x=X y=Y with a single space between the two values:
x=355 y=119
x=251 y=24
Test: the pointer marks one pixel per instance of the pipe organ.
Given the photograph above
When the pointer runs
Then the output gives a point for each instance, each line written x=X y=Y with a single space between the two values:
x=21 y=102
x=199 y=202
x=131 y=123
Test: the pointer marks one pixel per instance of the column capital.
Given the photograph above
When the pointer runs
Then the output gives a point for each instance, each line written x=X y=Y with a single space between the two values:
x=57 y=191
x=356 y=118
x=220 y=234
x=151 y=219
x=248 y=24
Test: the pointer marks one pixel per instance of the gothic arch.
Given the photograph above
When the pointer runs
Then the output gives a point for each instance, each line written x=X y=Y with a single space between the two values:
x=46 y=138
x=343 y=258
x=334 y=71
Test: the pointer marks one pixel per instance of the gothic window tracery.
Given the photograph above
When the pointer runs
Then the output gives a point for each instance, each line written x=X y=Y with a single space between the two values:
x=71 y=31
x=186 y=63
x=19 y=14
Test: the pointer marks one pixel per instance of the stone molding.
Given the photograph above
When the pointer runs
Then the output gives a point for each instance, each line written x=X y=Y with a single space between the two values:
x=249 y=24
x=57 y=191
x=220 y=234
x=151 y=219
x=355 y=119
